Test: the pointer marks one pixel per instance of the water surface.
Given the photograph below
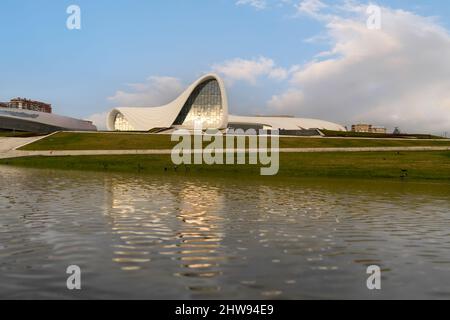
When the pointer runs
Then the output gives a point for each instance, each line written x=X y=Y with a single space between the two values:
x=147 y=237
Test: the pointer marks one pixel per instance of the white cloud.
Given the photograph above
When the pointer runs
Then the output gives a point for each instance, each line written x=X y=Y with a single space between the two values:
x=265 y=4
x=289 y=100
x=396 y=76
x=258 y=4
x=249 y=70
x=310 y=7
x=154 y=92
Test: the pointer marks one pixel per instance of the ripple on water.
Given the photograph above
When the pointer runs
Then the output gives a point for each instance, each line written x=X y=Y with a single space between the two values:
x=186 y=238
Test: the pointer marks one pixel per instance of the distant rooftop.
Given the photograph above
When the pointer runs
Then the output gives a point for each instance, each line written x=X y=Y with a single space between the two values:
x=27 y=104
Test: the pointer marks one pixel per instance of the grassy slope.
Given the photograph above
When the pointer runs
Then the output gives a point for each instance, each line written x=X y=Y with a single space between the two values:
x=123 y=141
x=419 y=165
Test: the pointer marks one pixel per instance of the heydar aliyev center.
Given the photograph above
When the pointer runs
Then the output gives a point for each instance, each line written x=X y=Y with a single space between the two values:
x=205 y=101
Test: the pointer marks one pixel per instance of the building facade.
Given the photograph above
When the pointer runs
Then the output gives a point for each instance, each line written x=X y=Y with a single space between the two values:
x=368 y=128
x=381 y=130
x=25 y=104
x=205 y=102
x=363 y=128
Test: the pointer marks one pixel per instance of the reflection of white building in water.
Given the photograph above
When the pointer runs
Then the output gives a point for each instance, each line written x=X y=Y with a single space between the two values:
x=183 y=225
x=204 y=101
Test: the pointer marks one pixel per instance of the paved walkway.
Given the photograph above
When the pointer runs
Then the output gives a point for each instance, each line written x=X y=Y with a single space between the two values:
x=8 y=145
x=7 y=150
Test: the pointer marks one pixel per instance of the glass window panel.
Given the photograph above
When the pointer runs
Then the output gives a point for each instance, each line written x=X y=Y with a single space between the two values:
x=122 y=124
x=205 y=105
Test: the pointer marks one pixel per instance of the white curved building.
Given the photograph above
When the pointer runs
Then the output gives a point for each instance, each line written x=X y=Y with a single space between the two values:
x=204 y=101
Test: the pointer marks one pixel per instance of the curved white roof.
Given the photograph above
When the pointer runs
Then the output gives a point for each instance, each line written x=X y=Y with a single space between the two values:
x=287 y=123
x=145 y=119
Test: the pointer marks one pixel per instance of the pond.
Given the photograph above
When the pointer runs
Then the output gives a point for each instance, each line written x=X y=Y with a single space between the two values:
x=156 y=237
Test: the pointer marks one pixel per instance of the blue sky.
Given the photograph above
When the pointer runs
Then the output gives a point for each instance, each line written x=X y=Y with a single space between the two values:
x=127 y=41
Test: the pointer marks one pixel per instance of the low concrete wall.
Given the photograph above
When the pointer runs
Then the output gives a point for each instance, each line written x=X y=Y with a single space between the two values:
x=17 y=153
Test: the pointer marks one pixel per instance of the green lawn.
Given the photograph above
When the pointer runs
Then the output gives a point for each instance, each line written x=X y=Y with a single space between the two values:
x=366 y=165
x=126 y=141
